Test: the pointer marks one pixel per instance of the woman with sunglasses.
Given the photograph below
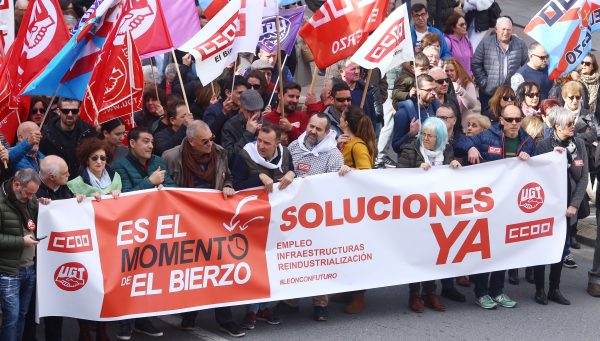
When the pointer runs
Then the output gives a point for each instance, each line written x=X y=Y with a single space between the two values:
x=528 y=94
x=590 y=77
x=563 y=139
x=258 y=82
x=38 y=108
x=95 y=178
x=503 y=97
x=455 y=33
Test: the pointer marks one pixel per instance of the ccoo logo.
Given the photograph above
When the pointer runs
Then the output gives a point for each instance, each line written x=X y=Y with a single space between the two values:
x=531 y=197
x=71 y=276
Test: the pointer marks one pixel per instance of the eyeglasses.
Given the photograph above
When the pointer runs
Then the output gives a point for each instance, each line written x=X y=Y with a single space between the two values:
x=41 y=111
x=586 y=63
x=427 y=136
x=430 y=90
x=533 y=94
x=69 y=111
x=255 y=86
x=574 y=97
x=207 y=141
x=422 y=15
x=442 y=81
x=343 y=99
x=508 y=98
x=540 y=57
x=445 y=118
x=512 y=119
x=96 y=157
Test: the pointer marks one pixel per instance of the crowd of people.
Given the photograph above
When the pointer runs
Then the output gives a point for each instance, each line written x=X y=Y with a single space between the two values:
x=468 y=97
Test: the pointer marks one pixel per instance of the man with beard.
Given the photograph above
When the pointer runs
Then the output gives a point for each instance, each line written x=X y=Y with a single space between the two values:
x=198 y=162
x=350 y=74
x=293 y=122
x=315 y=152
x=26 y=153
x=341 y=99
x=63 y=134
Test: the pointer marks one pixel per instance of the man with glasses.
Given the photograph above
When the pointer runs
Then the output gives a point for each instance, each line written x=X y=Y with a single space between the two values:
x=503 y=140
x=496 y=60
x=414 y=111
x=445 y=92
x=198 y=162
x=63 y=134
x=419 y=28
x=341 y=99
x=536 y=70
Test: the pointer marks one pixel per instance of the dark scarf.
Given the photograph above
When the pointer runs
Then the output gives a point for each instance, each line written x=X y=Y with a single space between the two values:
x=198 y=165
x=569 y=145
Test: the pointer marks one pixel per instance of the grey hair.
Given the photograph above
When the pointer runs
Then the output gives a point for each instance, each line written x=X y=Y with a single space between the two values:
x=151 y=74
x=533 y=46
x=436 y=69
x=171 y=70
x=50 y=165
x=559 y=116
x=431 y=47
x=194 y=127
x=503 y=20
x=27 y=175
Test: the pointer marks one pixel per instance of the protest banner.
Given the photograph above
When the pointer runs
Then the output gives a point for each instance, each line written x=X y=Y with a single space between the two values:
x=166 y=251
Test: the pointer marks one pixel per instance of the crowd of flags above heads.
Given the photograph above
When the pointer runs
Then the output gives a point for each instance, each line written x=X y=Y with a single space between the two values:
x=98 y=62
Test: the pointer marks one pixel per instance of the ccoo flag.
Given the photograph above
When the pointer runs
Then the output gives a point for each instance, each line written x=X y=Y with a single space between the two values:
x=565 y=29
x=389 y=45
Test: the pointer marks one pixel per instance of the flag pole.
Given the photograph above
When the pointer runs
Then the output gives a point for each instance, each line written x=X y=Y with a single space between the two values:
x=130 y=70
x=49 y=105
x=313 y=80
x=233 y=76
x=89 y=91
x=180 y=79
x=281 y=110
x=418 y=105
x=154 y=79
x=364 y=95
x=276 y=83
x=212 y=87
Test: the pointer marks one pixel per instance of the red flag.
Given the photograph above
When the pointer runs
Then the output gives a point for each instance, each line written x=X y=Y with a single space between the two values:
x=43 y=33
x=340 y=27
x=117 y=80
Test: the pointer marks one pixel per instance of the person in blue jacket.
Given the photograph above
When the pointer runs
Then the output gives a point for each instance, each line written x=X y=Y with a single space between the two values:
x=26 y=154
x=419 y=28
x=503 y=140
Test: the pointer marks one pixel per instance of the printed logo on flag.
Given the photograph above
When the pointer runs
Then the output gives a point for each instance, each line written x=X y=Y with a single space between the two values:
x=531 y=197
x=220 y=40
x=529 y=230
x=4 y=4
x=41 y=32
x=117 y=81
x=268 y=38
x=388 y=42
x=71 y=276
x=71 y=241
x=138 y=20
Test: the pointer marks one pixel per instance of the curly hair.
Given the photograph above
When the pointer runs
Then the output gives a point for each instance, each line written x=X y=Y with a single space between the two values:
x=89 y=146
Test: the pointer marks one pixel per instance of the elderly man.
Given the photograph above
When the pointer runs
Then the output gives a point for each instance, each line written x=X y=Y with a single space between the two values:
x=26 y=153
x=535 y=70
x=497 y=59
x=315 y=152
x=271 y=58
x=198 y=162
x=292 y=122
x=445 y=92
x=62 y=135
x=240 y=129
x=504 y=140
x=350 y=73
x=19 y=208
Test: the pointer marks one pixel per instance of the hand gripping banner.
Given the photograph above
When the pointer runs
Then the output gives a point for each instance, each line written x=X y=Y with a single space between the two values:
x=162 y=252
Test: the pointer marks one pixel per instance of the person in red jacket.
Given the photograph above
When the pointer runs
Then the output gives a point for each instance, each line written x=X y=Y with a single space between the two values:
x=292 y=123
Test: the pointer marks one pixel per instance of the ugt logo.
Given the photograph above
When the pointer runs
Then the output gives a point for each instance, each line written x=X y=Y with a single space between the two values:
x=42 y=27
x=531 y=197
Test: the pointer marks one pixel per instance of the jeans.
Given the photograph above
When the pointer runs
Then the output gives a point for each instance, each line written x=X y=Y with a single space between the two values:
x=255 y=307
x=15 y=294
x=489 y=283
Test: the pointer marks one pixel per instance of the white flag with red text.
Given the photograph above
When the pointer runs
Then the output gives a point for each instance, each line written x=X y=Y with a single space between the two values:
x=389 y=45
x=7 y=23
x=213 y=47
x=250 y=26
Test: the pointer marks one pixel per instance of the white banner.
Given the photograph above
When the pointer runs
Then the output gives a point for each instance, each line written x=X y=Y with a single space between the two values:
x=168 y=251
x=7 y=23
x=250 y=27
x=213 y=47
x=390 y=44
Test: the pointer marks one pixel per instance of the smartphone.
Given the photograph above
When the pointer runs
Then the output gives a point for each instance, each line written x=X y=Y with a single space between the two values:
x=40 y=238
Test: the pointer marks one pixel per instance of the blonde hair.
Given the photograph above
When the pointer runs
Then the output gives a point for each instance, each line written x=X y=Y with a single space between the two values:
x=533 y=126
x=483 y=121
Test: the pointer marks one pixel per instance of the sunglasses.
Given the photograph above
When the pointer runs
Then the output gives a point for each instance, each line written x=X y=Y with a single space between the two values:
x=574 y=97
x=96 y=157
x=255 y=86
x=69 y=111
x=343 y=99
x=533 y=94
x=207 y=141
x=34 y=110
x=442 y=81
x=508 y=98
x=541 y=57
x=512 y=119
x=445 y=118
x=586 y=63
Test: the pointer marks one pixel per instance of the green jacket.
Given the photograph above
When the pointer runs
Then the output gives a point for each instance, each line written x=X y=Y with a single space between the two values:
x=133 y=175
x=11 y=230
x=80 y=186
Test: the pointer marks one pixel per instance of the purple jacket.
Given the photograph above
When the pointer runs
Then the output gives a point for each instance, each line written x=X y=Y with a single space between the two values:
x=462 y=50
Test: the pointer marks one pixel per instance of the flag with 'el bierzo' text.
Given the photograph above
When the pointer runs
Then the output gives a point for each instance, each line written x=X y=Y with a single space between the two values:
x=565 y=29
x=340 y=27
x=389 y=45
x=214 y=47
